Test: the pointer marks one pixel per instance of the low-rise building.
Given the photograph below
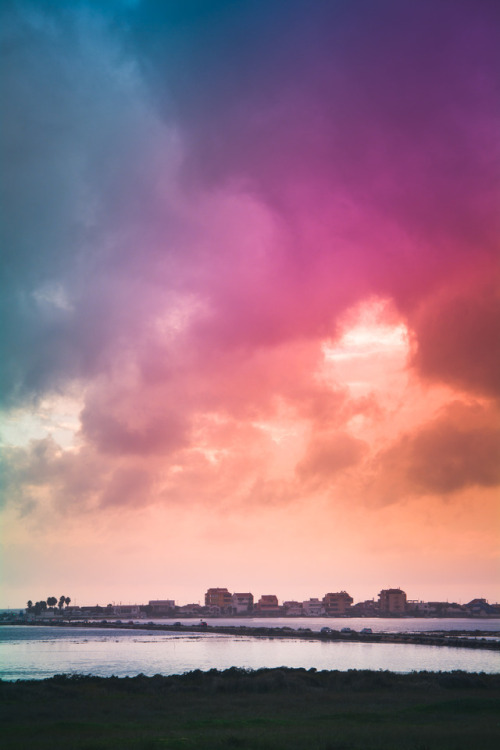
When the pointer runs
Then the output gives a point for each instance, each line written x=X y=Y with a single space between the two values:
x=72 y=611
x=454 y=609
x=161 y=607
x=419 y=608
x=127 y=610
x=368 y=608
x=292 y=609
x=313 y=608
x=338 y=603
x=97 y=611
x=392 y=602
x=242 y=603
x=479 y=608
x=189 y=609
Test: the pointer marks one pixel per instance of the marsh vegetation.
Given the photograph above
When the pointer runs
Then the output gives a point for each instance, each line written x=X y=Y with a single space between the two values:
x=267 y=709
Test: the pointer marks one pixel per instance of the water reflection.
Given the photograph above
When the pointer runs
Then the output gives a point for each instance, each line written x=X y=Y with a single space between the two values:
x=377 y=624
x=34 y=653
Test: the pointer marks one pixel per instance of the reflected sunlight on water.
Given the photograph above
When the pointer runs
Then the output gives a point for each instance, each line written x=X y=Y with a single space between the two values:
x=38 y=652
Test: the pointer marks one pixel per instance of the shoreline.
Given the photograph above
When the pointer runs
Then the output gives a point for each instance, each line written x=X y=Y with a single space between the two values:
x=243 y=616
x=242 y=678
x=478 y=639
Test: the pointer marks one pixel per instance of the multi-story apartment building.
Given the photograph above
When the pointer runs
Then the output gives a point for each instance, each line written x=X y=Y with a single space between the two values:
x=242 y=603
x=220 y=598
x=313 y=608
x=338 y=603
x=392 y=602
x=268 y=604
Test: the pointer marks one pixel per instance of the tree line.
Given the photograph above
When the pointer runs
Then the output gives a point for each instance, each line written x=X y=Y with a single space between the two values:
x=47 y=604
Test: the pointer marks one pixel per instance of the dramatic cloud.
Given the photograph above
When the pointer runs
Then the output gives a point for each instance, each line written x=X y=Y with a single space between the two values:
x=255 y=245
x=458 y=449
x=457 y=334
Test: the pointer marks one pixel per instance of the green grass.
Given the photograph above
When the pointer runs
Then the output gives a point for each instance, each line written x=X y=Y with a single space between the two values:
x=276 y=709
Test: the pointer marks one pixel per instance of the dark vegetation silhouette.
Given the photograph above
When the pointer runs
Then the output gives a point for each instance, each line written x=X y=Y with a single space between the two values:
x=266 y=709
x=44 y=604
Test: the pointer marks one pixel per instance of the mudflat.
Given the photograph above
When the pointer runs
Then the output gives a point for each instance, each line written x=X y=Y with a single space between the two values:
x=267 y=709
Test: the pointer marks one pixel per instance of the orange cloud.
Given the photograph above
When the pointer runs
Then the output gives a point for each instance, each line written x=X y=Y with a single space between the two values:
x=457 y=449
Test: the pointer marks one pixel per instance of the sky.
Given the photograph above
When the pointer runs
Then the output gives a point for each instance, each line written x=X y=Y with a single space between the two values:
x=250 y=299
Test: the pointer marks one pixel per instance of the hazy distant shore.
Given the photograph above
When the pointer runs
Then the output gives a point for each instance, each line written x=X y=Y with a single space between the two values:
x=266 y=709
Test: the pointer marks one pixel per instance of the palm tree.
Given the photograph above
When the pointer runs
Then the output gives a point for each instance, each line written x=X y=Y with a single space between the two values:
x=29 y=604
x=40 y=607
x=62 y=599
x=67 y=601
x=51 y=601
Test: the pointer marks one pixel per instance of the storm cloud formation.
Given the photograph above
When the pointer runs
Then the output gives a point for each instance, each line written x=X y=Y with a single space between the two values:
x=196 y=193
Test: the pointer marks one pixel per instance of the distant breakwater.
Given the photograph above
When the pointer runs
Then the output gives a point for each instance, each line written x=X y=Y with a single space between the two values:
x=457 y=639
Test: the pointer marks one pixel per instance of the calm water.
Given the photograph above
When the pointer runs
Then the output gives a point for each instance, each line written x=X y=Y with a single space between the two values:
x=377 y=624
x=37 y=652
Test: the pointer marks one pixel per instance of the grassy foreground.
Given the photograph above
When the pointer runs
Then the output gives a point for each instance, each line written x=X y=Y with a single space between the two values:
x=269 y=709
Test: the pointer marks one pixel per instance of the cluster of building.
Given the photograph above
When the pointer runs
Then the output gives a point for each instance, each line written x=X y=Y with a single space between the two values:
x=221 y=602
x=390 y=602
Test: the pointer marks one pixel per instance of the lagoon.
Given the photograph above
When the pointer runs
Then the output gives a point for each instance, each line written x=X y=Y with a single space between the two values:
x=37 y=652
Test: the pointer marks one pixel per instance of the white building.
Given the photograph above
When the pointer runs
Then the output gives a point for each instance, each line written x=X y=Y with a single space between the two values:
x=127 y=610
x=292 y=609
x=313 y=608
x=242 y=603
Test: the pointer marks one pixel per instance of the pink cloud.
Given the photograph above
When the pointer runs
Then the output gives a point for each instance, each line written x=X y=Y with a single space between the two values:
x=195 y=211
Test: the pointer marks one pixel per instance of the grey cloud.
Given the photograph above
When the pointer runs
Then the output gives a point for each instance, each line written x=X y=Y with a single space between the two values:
x=163 y=433
x=128 y=486
x=76 y=134
x=43 y=475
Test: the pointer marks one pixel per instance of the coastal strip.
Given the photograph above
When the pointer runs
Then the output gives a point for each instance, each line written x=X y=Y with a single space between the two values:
x=477 y=639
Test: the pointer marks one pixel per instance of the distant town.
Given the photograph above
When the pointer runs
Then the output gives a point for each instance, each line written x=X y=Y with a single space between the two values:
x=391 y=602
